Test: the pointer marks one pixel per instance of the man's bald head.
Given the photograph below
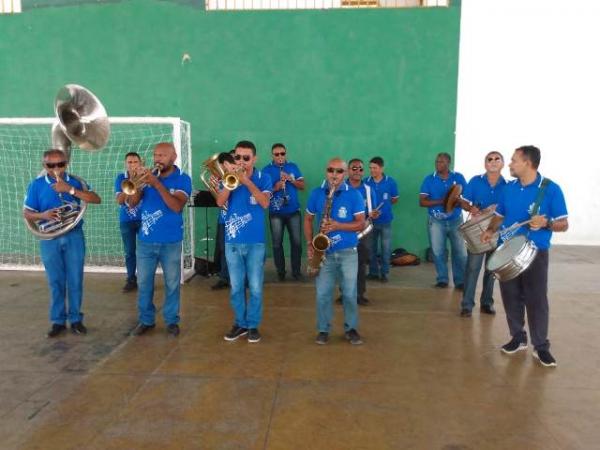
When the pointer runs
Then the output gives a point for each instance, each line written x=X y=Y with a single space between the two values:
x=165 y=155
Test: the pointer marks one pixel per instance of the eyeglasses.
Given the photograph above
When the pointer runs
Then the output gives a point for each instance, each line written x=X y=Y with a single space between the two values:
x=497 y=158
x=279 y=154
x=356 y=169
x=333 y=169
x=59 y=164
x=244 y=157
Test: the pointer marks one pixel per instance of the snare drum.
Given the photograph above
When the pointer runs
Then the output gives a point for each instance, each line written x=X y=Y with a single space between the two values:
x=512 y=258
x=472 y=230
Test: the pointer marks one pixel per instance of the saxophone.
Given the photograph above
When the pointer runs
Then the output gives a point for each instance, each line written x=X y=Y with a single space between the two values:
x=321 y=242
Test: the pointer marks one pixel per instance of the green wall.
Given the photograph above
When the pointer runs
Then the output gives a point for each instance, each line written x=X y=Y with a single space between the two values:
x=325 y=82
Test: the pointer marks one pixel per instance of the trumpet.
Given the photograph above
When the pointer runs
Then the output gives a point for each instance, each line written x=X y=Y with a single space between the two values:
x=137 y=182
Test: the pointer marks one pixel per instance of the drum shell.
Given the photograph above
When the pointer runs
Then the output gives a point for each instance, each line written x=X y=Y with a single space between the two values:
x=512 y=258
x=472 y=230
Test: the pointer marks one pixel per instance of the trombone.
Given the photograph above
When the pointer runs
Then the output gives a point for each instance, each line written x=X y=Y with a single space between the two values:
x=137 y=182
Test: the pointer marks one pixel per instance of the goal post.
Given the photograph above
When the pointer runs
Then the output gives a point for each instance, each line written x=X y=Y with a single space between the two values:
x=22 y=142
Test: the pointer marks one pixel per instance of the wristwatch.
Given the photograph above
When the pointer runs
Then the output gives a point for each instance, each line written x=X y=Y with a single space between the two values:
x=72 y=191
x=549 y=224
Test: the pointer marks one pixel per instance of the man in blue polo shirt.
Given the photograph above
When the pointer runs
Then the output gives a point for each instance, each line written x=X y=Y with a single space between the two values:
x=245 y=241
x=159 y=240
x=386 y=191
x=444 y=225
x=346 y=218
x=529 y=197
x=64 y=256
x=482 y=193
x=129 y=219
x=284 y=209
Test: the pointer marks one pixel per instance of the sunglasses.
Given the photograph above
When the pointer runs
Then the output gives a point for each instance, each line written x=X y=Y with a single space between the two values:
x=244 y=157
x=496 y=158
x=279 y=154
x=59 y=164
x=332 y=169
x=356 y=169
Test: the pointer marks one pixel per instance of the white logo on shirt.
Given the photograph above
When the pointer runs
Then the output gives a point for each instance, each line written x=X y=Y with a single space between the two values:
x=236 y=223
x=252 y=200
x=386 y=196
x=171 y=191
x=148 y=220
x=342 y=212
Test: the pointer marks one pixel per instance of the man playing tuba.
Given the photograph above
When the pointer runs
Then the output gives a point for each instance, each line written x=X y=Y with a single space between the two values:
x=50 y=197
x=341 y=216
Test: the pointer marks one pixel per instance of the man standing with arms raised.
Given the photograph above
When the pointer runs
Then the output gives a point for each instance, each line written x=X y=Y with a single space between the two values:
x=284 y=210
x=529 y=197
x=482 y=192
x=160 y=237
x=245 y=241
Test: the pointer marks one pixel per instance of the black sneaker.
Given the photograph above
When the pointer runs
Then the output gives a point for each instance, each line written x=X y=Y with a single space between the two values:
x=221 y=284
x=487 y=309
x=353 y=337
x=545 y=358
x=140 y=329
x=173 y=330
x=465 y=312
x=253 y=335
x=363 y=301
x=56 y=330
x=441 y=284
x=281 y=276
x=322 y=338
x=130 y=285
x=515 y=345
x=339 y=300
x=78 y=328
x=299 y=277
x=459 y=287
x=384 y=279
x=235 y=333
x=372 y=276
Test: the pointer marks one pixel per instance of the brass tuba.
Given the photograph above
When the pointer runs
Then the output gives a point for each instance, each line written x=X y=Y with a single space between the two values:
x=82 y=119
x=214 y=166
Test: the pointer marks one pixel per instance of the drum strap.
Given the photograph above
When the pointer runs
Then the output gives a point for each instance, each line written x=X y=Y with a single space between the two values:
x=540 y=196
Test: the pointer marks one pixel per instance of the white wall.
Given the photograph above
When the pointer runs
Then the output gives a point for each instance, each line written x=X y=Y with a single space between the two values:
x=529 y=73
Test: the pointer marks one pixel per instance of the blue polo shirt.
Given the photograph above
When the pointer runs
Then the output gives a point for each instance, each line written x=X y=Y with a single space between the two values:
x=516 y=203
x=435 y=188
x=480 y=193
x=222 y=215
x=245 y=220
x=276 y=205
x=41 y=197
x=160 y=224
x=126 y=213
x=363 y=192
x=347 y=203
x=385 y=190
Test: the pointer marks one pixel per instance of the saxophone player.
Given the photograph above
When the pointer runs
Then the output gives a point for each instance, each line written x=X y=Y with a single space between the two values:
x=341 y=214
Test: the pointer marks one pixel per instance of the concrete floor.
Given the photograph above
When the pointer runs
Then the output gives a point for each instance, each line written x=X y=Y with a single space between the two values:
x=425 y=378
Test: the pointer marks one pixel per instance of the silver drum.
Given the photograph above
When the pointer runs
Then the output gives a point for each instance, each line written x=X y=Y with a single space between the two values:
x=472 y=230
x=512 y=258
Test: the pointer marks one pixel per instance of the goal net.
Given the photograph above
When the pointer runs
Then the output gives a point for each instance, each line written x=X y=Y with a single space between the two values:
x=22 y=142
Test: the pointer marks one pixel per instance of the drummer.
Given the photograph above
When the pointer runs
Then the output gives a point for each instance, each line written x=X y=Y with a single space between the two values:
x=479 y=198
x=533 y=197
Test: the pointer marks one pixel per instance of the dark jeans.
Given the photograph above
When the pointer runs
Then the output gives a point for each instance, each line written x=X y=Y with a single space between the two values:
x=529 y=291
x=364 y=253
x=129 y=232
x=219 y=258
x=293 y=224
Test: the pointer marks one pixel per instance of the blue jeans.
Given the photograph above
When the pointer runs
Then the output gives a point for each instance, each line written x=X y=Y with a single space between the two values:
x=381 y=232
x=246 y=261
x=63 y=259
x=129 y=236
x=343 y=266
x=471 y=276
x=292 y=223
x=149 y=255
x=439 y=231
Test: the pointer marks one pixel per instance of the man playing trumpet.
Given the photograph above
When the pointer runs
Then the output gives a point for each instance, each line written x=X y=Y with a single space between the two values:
x=63 y=256
x=341 y=215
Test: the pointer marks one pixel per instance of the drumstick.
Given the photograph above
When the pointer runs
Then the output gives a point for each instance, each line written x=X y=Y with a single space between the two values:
x=378 y=207
x=514 y=226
